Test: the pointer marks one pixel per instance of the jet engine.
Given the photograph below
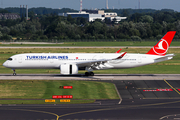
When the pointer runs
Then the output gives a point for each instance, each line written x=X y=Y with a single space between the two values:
x=67 y=69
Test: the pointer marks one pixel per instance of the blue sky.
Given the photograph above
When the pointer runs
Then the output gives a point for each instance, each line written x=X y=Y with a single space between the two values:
x=89 y=4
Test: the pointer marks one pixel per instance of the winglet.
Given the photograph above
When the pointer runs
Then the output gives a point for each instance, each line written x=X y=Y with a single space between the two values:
x=121 y=56
x=118 y=50
x=162 y=46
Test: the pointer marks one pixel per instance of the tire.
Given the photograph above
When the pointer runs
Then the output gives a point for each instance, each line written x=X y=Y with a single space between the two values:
x=86 y=73
x=14 y=74
x=91 y=74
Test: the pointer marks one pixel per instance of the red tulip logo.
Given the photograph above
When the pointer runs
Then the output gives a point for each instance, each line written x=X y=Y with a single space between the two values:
x=161 y=48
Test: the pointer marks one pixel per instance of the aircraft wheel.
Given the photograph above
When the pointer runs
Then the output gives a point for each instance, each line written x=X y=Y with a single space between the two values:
x=86 y=73
x=14 y=72
x=91 y=74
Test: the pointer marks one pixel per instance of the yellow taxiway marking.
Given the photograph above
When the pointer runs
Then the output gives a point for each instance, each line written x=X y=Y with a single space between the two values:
x=175 y=115
x=171 y=86
x=95 y=110
x=39 y=112
x=131 y=106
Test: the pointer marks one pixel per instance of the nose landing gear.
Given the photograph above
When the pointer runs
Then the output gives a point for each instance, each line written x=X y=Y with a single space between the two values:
x=14 y=72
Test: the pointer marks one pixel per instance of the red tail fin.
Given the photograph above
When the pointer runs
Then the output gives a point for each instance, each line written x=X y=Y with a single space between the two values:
x=162 y=46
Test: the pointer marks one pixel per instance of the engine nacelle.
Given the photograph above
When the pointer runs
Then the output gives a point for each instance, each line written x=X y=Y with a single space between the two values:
x=68 y=69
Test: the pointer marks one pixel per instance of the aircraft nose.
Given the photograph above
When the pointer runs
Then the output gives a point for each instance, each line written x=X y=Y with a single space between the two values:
x=5 y=64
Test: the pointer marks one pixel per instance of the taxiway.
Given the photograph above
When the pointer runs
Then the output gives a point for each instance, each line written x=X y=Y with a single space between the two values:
x=145 y=97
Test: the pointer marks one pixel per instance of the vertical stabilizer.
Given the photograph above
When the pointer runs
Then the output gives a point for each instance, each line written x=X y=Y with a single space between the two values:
x=162 y=46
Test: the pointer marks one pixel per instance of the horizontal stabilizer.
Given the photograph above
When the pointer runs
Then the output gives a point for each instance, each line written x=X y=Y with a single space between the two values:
x=169 y=56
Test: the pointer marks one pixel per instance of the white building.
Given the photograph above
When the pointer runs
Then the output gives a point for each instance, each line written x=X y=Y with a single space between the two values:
x=92 y=15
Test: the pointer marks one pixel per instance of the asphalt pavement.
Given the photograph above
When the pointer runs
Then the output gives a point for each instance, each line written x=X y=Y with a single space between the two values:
x=141 y=99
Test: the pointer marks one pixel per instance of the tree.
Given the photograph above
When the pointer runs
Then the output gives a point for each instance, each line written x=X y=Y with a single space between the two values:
x=5 y=30
x=81 y=21
x=13 y=32
x=125 y=13
x=146 y=18
x=136 y=38
x=28 y=35
x=1 y=34
x=6 y=37
x=135 y=17
x=43 y=37
x=114 y=21
x=4 y=11
x=107 y=21
x=70 y=19
x=34 y=37
x=96 y=27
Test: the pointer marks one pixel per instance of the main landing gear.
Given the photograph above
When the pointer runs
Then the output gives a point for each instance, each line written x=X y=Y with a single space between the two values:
x=89 y=74
x=14 y=72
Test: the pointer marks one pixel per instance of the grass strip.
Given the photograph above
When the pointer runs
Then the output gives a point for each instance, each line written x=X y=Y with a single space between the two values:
x=86 y=91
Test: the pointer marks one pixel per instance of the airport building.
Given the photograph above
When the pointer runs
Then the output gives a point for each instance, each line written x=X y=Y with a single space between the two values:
x=92 y=15
x=9 y=16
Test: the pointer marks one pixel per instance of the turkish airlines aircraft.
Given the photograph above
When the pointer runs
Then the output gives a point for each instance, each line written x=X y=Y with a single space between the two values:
x=70 y=63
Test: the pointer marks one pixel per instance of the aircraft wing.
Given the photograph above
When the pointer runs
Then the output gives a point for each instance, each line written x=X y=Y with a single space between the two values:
x=100 y=61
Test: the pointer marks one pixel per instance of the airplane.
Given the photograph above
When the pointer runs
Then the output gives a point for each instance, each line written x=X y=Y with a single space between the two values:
x=71 y=63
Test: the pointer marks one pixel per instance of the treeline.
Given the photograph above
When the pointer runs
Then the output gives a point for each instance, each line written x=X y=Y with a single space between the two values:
x=38 y=11
x=127 y=12
x=138 y=26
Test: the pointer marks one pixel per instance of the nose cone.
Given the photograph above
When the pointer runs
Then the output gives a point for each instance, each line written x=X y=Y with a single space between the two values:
x=5 y=64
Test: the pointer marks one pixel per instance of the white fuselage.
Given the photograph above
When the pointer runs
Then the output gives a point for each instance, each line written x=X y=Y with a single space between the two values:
x=55 y=60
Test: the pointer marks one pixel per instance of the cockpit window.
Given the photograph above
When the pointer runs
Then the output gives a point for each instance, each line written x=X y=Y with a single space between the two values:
x=10 y=59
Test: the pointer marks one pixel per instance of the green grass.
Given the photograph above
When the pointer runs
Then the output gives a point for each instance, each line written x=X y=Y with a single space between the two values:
x=83 y=91
x=35 y=89
x=127 y=43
